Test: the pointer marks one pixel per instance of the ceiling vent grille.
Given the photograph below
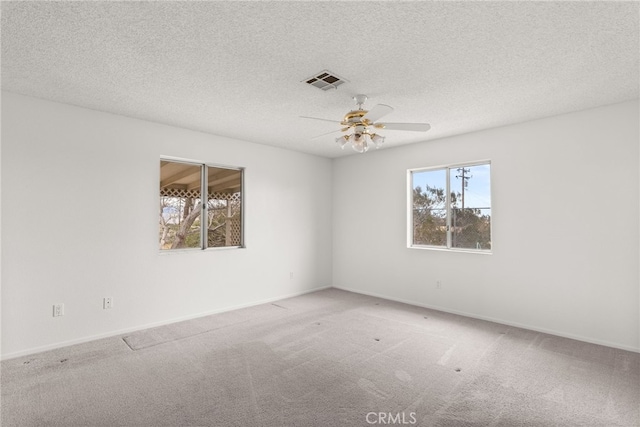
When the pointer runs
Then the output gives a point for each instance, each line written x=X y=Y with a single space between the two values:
x=325 y=80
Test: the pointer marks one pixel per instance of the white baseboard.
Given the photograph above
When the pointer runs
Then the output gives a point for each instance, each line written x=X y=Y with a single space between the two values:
x=495 y=320
x=54 y=346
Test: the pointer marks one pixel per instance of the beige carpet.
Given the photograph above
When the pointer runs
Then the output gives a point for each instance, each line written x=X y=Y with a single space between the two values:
x=330 y=358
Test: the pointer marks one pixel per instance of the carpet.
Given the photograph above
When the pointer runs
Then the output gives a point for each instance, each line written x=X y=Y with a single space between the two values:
x=329 y=358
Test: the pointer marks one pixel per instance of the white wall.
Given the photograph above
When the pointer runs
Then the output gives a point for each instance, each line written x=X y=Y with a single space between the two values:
x=565 y=227
x=79 y=221
x=80 y=205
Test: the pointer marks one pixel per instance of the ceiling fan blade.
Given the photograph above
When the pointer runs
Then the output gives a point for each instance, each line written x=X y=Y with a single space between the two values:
x=417 y=127
x=377 y=112
x=328 y=133
x=316 y=118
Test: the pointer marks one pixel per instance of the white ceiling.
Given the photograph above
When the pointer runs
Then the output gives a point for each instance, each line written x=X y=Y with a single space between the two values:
x=235 y=68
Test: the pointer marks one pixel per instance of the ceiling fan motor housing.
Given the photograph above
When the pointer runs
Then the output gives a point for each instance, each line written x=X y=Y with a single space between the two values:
x=354 y=118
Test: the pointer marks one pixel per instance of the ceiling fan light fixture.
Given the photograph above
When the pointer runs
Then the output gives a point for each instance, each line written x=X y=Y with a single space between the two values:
x=360 y=148
x=359 y=142
x=378 y=140
x=342 y=141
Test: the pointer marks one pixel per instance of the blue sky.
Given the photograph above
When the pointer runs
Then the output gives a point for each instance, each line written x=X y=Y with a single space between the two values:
x=477 y=194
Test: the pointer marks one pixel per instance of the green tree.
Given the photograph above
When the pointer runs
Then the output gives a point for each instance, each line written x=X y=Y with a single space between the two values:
x=470 y=228
x=429 y=216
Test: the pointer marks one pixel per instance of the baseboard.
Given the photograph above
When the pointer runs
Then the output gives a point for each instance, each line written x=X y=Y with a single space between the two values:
x=54 y=346
x=495 y=320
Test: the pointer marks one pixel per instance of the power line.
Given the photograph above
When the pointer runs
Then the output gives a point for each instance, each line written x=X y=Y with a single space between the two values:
x=481 y=197
x=465 y=181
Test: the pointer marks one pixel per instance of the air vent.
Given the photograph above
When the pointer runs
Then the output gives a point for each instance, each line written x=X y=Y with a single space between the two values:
x=325 y=80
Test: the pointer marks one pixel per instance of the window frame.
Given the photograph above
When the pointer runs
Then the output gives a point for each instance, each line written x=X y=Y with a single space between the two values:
x=204 y=181
x=447 y=168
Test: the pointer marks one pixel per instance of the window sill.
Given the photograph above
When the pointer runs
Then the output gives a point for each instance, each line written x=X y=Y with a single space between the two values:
x=197 y=250
x=441 y=249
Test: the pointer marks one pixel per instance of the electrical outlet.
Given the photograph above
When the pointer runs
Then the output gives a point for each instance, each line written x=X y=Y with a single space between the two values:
x=58 y=310
x=291 y=275
x=107 y=303
x=438 y=284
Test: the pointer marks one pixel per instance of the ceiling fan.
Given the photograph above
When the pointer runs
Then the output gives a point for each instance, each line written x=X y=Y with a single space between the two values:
x=362 y=122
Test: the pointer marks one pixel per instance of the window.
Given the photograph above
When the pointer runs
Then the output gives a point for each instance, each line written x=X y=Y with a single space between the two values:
x=182 y=209
x=451 y=207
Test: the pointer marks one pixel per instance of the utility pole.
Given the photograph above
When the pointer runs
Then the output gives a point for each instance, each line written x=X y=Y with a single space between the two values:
x=463 y=174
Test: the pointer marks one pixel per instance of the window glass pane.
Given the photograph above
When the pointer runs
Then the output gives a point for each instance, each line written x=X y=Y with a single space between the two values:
x=470 y=207
x=429 y=207
x=224 y=207
x=180 y=206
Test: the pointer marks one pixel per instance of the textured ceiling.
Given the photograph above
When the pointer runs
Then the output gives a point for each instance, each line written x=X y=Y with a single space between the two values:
x=235 y=68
